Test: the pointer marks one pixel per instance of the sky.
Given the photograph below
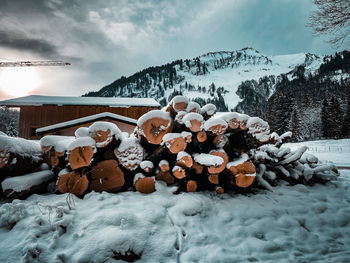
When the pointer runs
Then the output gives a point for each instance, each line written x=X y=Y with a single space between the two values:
x=104 y=40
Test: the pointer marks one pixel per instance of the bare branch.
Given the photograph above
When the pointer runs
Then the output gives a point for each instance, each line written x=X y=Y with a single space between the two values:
x=332 y=18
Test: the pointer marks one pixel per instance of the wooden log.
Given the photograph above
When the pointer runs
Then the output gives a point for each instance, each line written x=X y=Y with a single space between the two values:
x=213 y=178
x=193 y=121
x=187 y=136
x=104 y=133
x=259 y=129
x=191 y=186
x=236 y=121
x=218 y=168
x=175 y=142
x=179 y=103
x=244 y=180
x=165 y=177
x=164 y=165
x=201 y=136
x=18 y=156
x=184 y=160
x=208 y=111
x=219 y=190
x=197 y=168
x=147 y=166
x=193 y=107
x=107 y=176
x=179 y=172
x=130 y=153
x=80 y=152
x=54 y=148
x=24 y=185
x=178 y=121
x=74 y=182
x=145 y=185
x=220 y=141
x=215 y=126
x=243 y=170
x=154 y=125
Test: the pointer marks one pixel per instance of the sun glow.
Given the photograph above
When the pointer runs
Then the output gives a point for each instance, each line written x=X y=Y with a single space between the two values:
x=18 y=81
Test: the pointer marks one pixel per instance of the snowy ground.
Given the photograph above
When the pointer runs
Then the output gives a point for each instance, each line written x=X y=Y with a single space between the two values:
x=291 y=224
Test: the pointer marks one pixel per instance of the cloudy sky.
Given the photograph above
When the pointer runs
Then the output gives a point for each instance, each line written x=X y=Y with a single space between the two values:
x=107 y=39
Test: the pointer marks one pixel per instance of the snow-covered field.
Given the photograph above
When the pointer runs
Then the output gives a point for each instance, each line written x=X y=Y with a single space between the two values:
x=335 y=151
x=291 y=224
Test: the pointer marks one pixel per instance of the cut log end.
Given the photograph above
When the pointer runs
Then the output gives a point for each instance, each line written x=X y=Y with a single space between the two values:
x=145 y=185
x=214 y=178
x=73 y=182
x=176 y=145
x=244 y=180
x=107 y=176
x=165 y=177
x=4 y=158
x=218 y=169
x=102 y=138
x=155 y=128
x=219 y=190
x=80 y=157
x=164 y=166
x=179 y=172
x=191 y=186
x=202 y=136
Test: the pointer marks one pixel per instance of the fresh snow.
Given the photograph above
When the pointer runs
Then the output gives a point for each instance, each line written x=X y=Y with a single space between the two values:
x=59 y=143
x=291 y=224
x=81 y=142
x=38 y=100
x=86 y=119
x=20 y=146
x=208 y=159
x=333 y=151
x=25 y=182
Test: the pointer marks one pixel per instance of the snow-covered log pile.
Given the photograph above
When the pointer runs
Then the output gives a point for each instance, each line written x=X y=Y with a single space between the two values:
x=19 y=157
x=184 y=145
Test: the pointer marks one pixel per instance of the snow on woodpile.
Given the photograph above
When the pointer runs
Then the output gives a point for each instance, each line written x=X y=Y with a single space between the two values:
x=259 y=129
x=193 y=107
x=243 y=158
x=20 y=146
x=130 y=153
x=215 y=126
x=209 y=109
x=58 y=143
x=208 y=159
x=146 y=164
x=105 y=126
x=190 y=117
x=25 y=182
x=81 y=142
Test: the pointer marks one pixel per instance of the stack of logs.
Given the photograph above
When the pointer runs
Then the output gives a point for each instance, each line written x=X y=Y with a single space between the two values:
x=182 y=144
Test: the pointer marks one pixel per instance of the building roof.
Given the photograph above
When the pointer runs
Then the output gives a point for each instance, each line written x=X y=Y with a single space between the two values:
x=99 y=116
x=38 y=100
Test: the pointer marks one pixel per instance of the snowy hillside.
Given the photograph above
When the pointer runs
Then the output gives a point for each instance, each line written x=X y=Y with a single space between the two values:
x=208 y=76
x=292 y=224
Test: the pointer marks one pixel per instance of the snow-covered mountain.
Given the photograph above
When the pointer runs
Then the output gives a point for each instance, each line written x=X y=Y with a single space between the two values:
x=195 y=77
x=246 y=81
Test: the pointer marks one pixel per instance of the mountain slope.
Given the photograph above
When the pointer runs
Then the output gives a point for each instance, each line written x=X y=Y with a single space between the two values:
x=209 y=77
x=287 y=90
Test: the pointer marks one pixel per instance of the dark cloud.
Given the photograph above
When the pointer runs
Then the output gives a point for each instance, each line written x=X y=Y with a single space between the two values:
x=16 y=40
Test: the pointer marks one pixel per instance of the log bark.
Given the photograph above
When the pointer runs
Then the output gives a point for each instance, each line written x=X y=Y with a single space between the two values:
x=107 y=176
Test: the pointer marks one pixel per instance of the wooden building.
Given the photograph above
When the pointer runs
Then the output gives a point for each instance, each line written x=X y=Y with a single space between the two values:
x=41 y=111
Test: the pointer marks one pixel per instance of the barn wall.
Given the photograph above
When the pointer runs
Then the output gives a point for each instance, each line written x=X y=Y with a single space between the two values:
x=33 y=117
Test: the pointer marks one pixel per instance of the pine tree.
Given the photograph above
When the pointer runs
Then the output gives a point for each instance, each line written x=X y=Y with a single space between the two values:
x=346 y=121
x=336 y=118
x=325 y=119
x=11 y=129
x=294 y=125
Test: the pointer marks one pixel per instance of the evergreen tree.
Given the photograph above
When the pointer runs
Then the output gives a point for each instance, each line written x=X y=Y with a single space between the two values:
x=325 y=119
x=346 y=121
x=336 y=117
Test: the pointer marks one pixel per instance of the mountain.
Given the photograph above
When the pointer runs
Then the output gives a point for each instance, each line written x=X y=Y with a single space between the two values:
x=246 y=81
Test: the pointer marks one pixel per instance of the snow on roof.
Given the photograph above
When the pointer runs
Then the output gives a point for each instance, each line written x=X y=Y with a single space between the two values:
x=38 y=100
x=87 y=119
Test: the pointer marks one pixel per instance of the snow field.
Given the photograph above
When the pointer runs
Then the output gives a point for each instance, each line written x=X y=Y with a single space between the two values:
x=291 y=224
